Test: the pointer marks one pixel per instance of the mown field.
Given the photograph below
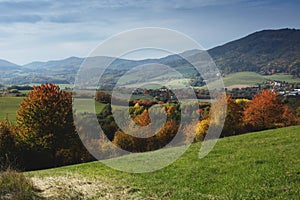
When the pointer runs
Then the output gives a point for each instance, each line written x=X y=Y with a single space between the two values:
x=10 y=105
x=261 y=165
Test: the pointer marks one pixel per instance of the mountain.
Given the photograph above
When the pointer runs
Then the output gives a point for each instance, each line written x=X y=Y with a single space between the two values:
x=265 y=52
x=8 y=70
x=6 y=66
x=65 y=64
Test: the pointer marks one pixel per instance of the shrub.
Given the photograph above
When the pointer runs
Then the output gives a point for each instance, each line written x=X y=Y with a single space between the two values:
x=14 y=185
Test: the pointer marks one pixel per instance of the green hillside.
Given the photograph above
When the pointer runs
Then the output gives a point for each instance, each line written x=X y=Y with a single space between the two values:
x=261 y=165
x=262 y=52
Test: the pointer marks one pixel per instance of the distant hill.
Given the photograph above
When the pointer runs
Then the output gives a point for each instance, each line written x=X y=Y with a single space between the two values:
x=66 y=64
x=265 y=52
x=8 y=70
x=6 y=65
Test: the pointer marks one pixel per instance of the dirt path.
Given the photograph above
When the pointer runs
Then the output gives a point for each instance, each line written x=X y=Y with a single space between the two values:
x=237 y=86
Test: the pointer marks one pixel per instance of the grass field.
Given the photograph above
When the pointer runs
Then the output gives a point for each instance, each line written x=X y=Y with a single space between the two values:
x=82 y=106
x=283 y=77
x=252 y=78
x=261 y=165
x=10 y=105
x=245 y=78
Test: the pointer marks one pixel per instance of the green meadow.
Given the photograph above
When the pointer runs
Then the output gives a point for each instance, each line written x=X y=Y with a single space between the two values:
x=9 y=107
x=260 y=165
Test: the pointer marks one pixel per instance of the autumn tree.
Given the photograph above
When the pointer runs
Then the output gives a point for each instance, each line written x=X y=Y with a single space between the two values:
x=103 y=97
x=136 y=110
x=146 y=103
x=234 y=118
x=46 y=120
x=288 y=117
x=8 y=149
x=202 y=129
x=125 y=141
x=264 y=112
x=165 y=134
x=143 y=119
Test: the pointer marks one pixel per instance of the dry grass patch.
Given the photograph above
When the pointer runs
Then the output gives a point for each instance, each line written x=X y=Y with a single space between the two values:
x=78 y=187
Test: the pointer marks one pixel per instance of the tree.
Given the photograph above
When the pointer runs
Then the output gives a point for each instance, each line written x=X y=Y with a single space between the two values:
x=202 y=128
x=264 y=111
x=46 y=120
x=8 y=149
x=103 y=97
x=143 y=119
x=233 y=120
x=288 y=118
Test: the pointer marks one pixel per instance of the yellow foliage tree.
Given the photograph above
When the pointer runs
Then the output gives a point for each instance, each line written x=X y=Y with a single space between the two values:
x=202 y=129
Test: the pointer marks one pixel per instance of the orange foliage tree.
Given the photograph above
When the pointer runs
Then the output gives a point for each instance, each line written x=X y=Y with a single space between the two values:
x=267 y=111
x=233 y=115
x=143 y=119
x=288 y=118
x=46 y=120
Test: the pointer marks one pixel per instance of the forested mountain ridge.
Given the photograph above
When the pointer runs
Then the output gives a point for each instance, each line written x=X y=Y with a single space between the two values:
x=265 y=52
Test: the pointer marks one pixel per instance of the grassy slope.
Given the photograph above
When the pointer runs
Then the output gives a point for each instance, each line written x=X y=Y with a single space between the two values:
x=262 y=165
x=246 y=78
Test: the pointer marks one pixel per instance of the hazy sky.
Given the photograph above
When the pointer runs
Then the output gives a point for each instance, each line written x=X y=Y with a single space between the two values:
x=55 y=29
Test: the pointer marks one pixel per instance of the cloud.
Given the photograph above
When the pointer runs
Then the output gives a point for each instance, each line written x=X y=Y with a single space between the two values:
x=65 y=11
x=50 y=29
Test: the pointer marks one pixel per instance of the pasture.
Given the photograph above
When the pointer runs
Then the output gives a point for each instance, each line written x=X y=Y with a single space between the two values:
x=9 y=107
x=260 y=165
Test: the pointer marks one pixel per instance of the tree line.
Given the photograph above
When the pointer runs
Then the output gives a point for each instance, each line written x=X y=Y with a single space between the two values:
x=45 y=135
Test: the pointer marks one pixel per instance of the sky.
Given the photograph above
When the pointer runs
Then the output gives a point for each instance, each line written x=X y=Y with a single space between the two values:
x=41 y=30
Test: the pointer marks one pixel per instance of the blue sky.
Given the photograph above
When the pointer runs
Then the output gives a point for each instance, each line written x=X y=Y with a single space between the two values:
x=55 y=29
